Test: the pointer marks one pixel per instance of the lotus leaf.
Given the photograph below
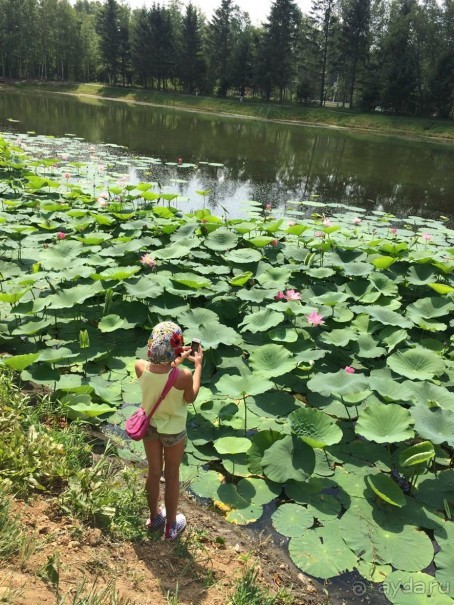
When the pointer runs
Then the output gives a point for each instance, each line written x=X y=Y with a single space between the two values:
x=258 y=491
x=292 y=520
x=238 y=387
x=385 y=423
x=414 y=588
x=250 y=513
x=417 y=454
x=283 y=335
x=430 y=308
x=315 y=427
x=441 y=288
x=435 y=491
x=57 y=354
x=339 y=337
x=110 y=323
x=213 y=334
x=236 y=464
x=436 y=424
x=116 y=273
x=66 y=299
x=417 y=363
x=373 y=572
x=288 y=458
x=272 y=360
x=444 y=559
x=145 y=286
x=20 y=362
x=261 y=321
x=426 y=392
x=194 y=318
x=206 y=485
x=261 y=441
x=322 y=553
x=232 y=445
x=392 y=336
x=221 y=240
x=272 y=403
x=191 y=280
x=339 y=384
x=243 y=255
x=386 y=489
x=31 y=327
x=241 y=280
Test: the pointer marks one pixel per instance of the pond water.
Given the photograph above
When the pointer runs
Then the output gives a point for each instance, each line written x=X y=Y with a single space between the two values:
x=268 y=162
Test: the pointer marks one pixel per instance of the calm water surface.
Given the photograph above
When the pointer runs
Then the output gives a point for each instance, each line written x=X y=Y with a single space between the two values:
x=267 y=162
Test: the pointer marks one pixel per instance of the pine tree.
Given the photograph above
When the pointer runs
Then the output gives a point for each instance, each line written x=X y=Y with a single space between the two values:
x=192 y=67
x=110 y=39
x=323 y=13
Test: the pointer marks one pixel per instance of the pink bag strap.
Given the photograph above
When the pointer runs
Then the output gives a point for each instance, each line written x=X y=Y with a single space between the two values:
x=173 y=375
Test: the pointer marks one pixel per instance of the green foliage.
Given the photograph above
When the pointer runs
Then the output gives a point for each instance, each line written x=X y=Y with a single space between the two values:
x=11 y=536
x=249 y=592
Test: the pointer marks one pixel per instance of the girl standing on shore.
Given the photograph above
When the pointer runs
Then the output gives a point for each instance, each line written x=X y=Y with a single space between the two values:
x=166 y=438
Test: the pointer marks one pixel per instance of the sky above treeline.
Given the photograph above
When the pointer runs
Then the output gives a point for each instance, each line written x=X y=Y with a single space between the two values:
x=258 y=9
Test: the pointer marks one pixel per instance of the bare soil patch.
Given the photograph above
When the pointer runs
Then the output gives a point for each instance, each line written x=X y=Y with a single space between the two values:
x=201 y=568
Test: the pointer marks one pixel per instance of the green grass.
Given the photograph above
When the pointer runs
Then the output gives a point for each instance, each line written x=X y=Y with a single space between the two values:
x=326 y=116
x=249 y=592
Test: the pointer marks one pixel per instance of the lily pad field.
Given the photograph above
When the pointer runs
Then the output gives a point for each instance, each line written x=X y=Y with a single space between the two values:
x=328 y=372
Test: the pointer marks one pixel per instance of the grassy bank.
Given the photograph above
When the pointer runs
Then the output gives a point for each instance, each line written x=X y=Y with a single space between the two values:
x=329 y=116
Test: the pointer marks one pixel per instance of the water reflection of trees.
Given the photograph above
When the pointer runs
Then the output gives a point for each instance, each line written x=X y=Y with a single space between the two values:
x=277 y=162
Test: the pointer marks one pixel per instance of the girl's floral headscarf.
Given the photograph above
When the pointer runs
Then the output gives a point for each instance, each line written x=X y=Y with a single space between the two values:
x=165 y=343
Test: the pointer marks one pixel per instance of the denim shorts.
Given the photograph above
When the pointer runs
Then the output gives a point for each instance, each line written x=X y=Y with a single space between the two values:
x=166 y=440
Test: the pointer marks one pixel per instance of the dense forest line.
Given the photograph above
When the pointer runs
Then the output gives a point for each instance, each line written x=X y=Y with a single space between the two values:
x=397 y=55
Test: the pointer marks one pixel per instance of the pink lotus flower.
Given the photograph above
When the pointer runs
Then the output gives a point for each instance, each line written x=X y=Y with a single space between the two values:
x=327 y=222
x=279 y=296
x=315 y=319
x=350 y=370
x=319 y=234
x=357 y=220
x=393 y=230
x=61 y=235
x=67 y=176
x=292 y=295
x=180 y=161
x=426 y=236
x=148 y=261
x=101 y=201
x=275 y=242
x=104 y=194
x=291 y=223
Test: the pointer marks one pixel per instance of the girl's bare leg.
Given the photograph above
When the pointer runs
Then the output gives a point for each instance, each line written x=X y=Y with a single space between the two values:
x=153 y=450
x=172 y=460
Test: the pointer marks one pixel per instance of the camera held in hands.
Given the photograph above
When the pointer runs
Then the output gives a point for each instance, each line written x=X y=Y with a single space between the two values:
x=195 y=345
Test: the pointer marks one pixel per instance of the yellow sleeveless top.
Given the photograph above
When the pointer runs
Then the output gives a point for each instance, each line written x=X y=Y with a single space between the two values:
x=170 y=417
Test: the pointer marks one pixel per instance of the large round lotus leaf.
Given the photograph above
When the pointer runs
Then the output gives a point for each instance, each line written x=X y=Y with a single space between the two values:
x=339 y=383
x=110 y=323
x=259 y=491
x=416 y=364
x=66 y=299
x=272 y=403
x=427 y=393
x=283 y=335
x=87 y=410
x=207 y=484
x=232 y=445
x=322 y=553
x=444 y=559
x=288 y=458
x=430 y=307
x=221 y=239
x=436 y=424
x=242 y=516
x=176 y=251
x=315 y=427
x=392 y=336
x=116 y=273
x=324 y=507
x=269 y=276
x=194 y=318
x=407 y=549
x=238 y=387
x=191 y=280
x=368 y=347
x=33 y=326
x=352 y=480
x=168 y=305
x=54 y=355
x=261 y=321
x=416 y=454
x=59 y=256
x=243 y=255
x=257 y=295
x=272 y=360
x=340 y=337
x=357 y=269
x=261 y=441
x=292 y=520
x=414 y=588
x=387 y=387
x=435 y=491
x=372 y=572
x=388 y=317
x=236 y=464
x=420 y=275
x=386 y=489
x=383 y=284
x=385 y=423
x=212 y=334
x=20 y=362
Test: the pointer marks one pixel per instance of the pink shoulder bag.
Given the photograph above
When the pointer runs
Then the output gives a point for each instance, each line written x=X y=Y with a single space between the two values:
x=137 y=424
